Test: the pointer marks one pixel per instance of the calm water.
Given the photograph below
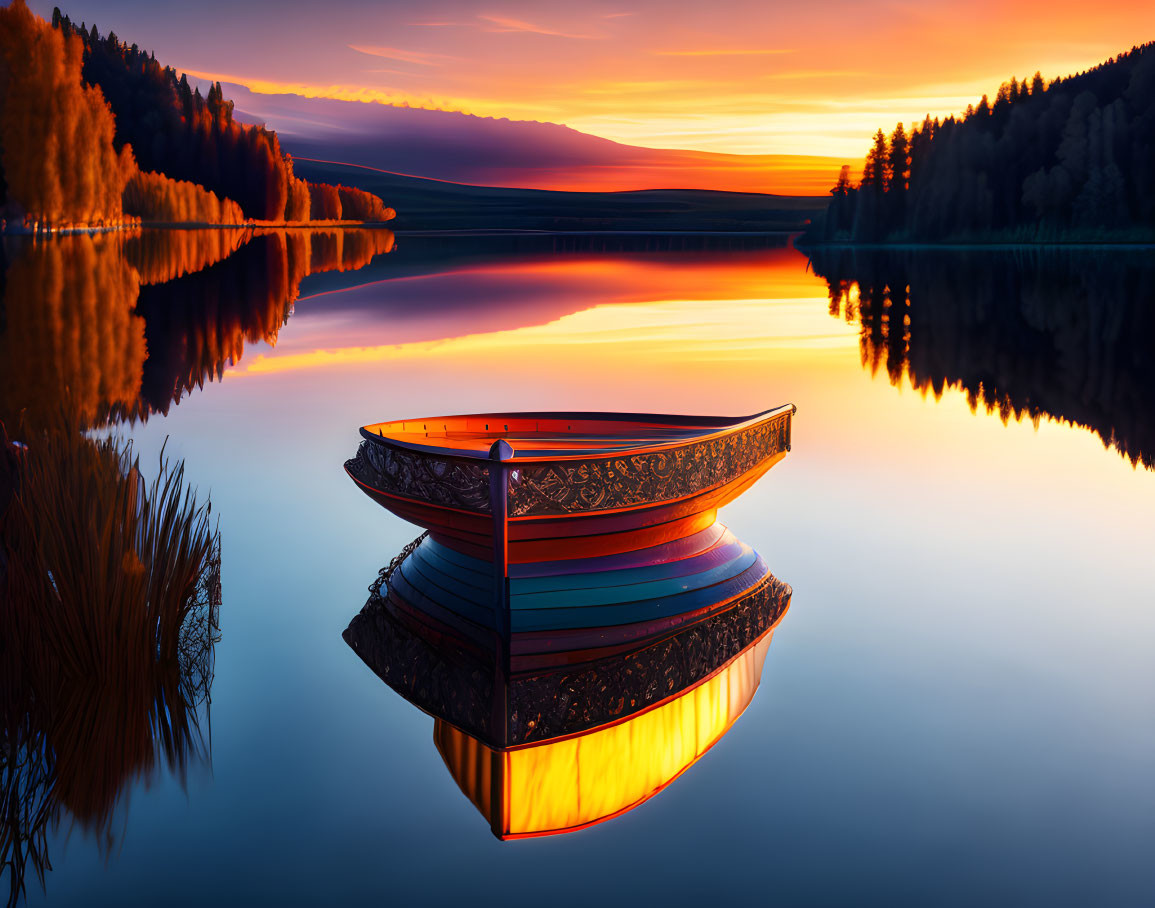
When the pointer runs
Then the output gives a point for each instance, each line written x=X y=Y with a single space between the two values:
x=959 y=706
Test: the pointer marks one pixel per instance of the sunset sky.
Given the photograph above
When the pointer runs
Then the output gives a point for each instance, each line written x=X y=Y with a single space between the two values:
x=749 y=77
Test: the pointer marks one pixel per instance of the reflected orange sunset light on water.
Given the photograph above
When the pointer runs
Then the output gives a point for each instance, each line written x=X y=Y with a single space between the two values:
x=564 y=785
x=705 y=308
x=419 y=417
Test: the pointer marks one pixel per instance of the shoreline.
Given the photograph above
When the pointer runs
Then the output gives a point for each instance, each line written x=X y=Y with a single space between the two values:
x=45 y=232
x=993 y=245
x=517 y=231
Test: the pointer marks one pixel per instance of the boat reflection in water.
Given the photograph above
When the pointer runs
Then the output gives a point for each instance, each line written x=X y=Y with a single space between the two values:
x=546 y=740
x=577 y=622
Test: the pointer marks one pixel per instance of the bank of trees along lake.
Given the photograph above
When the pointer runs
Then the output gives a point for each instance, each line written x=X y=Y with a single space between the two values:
x=1072 y=160
x=95 y=132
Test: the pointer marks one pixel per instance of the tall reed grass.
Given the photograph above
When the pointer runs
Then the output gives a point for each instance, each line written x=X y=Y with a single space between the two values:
x=109 y=600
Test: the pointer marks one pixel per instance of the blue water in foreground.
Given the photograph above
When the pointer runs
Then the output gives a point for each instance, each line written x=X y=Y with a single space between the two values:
x=958 y=709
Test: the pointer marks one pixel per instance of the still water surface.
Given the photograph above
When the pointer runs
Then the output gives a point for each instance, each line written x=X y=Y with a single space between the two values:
x=959 y=705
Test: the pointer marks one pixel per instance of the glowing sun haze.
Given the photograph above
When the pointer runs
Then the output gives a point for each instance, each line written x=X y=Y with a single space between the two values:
x=745 y=76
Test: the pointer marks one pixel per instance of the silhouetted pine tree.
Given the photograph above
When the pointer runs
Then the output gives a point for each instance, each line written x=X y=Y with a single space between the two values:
x=1073 y=160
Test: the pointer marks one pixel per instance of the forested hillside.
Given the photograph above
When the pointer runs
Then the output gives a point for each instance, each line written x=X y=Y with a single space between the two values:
x=176 y=131
x=95 y=133
x=1073 y=160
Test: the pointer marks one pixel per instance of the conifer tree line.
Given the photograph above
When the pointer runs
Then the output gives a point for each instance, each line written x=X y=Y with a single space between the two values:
x=94 y=132
x=1070 y=160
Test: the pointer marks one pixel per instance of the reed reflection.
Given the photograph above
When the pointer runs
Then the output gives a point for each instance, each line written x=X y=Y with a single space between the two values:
x=124 y=324
x=109 y=599
x=1065 y=335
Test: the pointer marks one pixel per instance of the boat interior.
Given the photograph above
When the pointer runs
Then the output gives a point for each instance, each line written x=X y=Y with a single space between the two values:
x=549 y=434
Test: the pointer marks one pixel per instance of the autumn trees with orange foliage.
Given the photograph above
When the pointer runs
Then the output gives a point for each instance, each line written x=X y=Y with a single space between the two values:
x=59 y=163
x=176 y=131
x=359 y=205
x=346 y=203
x=299 y=202
x=325 y=202
x=154 y=197
x=56 y=132
x=94 y=133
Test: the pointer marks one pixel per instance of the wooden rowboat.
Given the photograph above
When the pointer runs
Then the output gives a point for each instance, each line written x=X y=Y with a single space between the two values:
x=530 y=487
x=575 y=611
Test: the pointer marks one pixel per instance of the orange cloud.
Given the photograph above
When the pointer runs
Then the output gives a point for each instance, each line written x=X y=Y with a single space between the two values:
x=367 y=95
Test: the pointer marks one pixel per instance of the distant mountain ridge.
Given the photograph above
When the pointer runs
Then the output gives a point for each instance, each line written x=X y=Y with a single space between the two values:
x=424 y=204
x=526 y=154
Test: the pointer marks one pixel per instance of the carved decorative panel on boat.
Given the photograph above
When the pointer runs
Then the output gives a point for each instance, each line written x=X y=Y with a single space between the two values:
x=450 y=482
x=598 y=484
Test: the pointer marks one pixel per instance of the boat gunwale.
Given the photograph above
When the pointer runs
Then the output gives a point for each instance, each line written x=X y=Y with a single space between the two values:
x=545 y=518
x=722 y=428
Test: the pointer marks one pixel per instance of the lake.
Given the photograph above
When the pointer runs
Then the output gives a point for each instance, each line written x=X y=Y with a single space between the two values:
x=958 y=706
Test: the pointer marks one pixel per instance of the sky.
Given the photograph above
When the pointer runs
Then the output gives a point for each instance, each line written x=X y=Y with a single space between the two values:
x=740 y=76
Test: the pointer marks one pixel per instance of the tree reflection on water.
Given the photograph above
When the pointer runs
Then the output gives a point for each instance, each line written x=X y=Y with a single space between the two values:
x=127 y=323
x=1059 y=334
x=109 y=585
